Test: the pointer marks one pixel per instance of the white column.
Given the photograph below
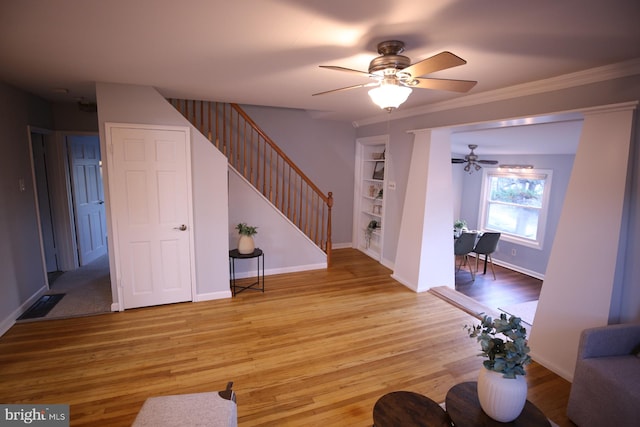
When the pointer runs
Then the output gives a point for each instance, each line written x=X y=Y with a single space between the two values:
x=424 y=258
x=578 y=285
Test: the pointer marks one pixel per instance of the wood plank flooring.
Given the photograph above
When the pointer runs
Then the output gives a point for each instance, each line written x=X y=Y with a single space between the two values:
x=317 y=348
x=509 y=287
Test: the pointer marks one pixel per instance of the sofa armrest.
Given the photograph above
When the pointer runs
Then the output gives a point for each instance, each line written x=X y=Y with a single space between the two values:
x=612 y=340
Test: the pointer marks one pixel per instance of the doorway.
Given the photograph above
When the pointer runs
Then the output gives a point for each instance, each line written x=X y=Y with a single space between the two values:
x=546 y=144
x=41 y=160
x=152 y=212
x=61 y=238
x=85 y=170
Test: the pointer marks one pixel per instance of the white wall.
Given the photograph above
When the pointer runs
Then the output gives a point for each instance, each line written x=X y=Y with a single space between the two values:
x=119 y=103
x=580 y=279
x=425 y=245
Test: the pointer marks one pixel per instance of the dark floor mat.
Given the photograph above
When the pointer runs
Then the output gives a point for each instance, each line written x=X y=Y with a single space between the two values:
x=53 y=275
x=41 y=307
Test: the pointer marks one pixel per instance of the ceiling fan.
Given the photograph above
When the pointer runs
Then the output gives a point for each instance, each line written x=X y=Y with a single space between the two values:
x=472 y=160
x=394 y=76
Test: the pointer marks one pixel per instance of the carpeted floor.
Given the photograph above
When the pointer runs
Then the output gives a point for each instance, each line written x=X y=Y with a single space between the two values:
x=525 y=310
x=87 y=291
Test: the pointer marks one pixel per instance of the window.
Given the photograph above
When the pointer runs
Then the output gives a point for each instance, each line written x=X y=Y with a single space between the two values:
x=515 y=204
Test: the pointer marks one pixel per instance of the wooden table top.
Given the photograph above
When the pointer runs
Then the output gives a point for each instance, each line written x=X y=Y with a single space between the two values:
x=464 y=409
x=408 y=409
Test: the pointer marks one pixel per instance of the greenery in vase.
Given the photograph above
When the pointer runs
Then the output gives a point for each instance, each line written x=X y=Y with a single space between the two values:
x=246 y=230
x=460 y=223
x=373 y=224
x=508 y=355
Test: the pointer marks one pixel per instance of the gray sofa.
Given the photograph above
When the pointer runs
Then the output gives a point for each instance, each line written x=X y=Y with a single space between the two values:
x=606 y=382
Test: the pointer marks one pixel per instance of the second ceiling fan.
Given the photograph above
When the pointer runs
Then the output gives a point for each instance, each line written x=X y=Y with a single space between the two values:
x=472 y=160
x=392 y=72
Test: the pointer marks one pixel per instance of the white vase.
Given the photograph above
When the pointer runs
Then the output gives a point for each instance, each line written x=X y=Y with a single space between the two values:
x=501 y=398
x=246 y=245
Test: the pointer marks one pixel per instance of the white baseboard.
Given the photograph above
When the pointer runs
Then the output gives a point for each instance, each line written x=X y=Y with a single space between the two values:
x=341 y=245
x=552 y=366
x=213 y=296
x=388 y=263
x=9 y=321
x=403 y=282
x=271 y=271
x=519 y=269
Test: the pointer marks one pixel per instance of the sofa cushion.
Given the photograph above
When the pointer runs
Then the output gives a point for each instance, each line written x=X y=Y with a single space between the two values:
x=606 y=391
x=618 y=371
x=198 y=409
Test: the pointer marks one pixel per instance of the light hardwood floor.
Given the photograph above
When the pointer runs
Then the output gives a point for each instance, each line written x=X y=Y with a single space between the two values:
x=316 y=349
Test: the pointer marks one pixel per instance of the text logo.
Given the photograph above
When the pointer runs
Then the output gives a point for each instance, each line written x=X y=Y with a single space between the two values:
x=34 y=415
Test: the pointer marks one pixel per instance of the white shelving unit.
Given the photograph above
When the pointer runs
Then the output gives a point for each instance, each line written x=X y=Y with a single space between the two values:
x=370 y=185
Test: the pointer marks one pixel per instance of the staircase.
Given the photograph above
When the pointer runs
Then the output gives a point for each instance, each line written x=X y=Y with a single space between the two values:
x=261 y=162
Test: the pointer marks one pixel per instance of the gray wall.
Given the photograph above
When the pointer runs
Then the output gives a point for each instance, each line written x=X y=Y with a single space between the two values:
x=529 y=260
x=23 y=273
x=323 y=149
x=68 y=117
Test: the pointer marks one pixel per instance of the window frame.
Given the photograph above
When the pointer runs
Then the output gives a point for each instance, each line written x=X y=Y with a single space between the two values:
x=488 y=173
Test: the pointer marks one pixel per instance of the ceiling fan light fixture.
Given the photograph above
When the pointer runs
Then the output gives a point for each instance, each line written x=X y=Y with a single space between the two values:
x=389 y=95
x=516 y=167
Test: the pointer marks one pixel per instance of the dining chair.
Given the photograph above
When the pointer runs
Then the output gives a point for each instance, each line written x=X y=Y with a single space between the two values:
x=462 y=248
x=487 y=244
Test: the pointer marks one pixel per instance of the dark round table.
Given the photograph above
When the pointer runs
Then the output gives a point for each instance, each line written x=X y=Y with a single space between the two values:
x=408 y=409
x=464 y=410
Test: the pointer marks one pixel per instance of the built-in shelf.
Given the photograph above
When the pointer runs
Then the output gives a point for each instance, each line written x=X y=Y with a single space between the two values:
x=369 y=203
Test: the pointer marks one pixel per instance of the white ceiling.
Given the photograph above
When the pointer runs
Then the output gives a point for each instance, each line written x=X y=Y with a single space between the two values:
x=267 y=52
x=542 y=135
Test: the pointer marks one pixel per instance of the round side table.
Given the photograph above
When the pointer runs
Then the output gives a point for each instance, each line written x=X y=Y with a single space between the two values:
x=464 y=410
x=258 y=285
x=408 y=409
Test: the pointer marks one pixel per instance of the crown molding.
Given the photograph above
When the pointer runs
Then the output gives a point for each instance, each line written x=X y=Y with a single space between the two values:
x=579 y=78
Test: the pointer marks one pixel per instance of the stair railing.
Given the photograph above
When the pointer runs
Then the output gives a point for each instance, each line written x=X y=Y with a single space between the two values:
x=261 y=162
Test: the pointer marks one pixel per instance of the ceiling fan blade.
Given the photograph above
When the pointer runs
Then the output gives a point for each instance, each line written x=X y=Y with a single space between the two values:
x=487 y=162
x=445 y=84
x=438 y=62
x=458 y=160
x=347 y=88
x=348 y=70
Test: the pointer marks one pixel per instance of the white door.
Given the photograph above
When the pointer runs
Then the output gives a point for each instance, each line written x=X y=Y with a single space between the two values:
x=150 y=190
x=88 y=197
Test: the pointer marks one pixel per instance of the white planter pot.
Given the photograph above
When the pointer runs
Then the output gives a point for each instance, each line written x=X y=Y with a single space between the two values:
x=246 y=245
x=501 y=398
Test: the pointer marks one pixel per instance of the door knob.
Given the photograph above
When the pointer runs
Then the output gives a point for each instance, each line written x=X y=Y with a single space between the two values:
x=181 y=228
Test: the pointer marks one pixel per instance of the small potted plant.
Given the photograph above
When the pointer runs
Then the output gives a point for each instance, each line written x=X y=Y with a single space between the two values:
x=371 y=227
x=458 y=226
x=246 y=245
x=502 y=389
